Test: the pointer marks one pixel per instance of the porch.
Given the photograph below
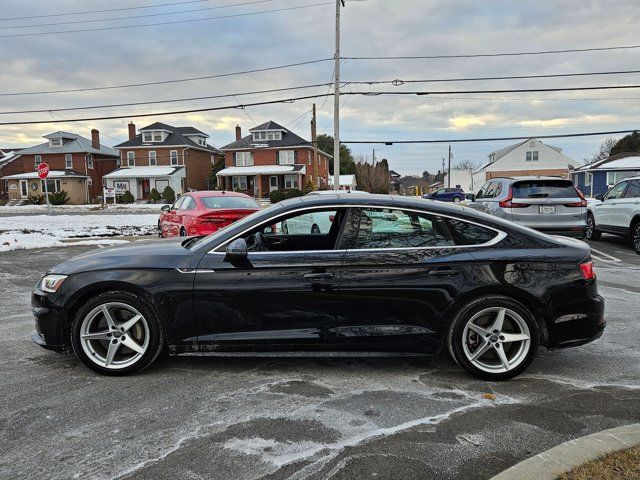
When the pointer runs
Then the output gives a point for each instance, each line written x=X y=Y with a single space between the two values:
x=259 y=182
x=141 y=180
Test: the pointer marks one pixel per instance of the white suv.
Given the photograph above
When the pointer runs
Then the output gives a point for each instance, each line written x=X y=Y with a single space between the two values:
x=617 y=212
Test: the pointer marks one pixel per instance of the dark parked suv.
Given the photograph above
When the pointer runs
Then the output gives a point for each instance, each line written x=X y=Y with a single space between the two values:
x=455 y=195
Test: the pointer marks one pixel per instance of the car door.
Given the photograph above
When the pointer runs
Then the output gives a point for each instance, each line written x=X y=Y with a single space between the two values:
x=169 y=225
x=628 y=205
x=607 y=213
x=279 y=298
x=401 y=272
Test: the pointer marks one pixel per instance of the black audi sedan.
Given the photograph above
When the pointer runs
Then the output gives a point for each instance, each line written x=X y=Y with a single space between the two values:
x=391 y=274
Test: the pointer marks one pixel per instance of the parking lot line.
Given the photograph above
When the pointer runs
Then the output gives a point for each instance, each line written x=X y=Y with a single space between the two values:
x=600 y=253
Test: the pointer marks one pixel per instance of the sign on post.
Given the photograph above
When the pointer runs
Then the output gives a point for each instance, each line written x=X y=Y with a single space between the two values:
x=43 y=173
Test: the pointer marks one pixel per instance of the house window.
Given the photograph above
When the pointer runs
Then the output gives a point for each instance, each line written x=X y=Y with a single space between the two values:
x=146 y=137
x=56 y=142
x=68 y=161
x=37 y=160
x=173 y=154
x=89 y=159
x=131 y=159
x=588 y=178
x=615 y=177
x=153 y=159
x=286 y=157
x=239 y=182
x=157 y=136
x=244 y=159
x=53 y=185
x=290 y=181
x=532 y=156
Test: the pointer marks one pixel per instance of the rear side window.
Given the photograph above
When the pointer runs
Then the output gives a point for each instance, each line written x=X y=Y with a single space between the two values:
x=544 y=189
x=390 y=228
x=465 y=233
x=634 y=190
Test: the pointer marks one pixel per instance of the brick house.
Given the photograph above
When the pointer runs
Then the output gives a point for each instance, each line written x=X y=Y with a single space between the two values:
x=69 y=156
x=162 y=155
x=271 y=158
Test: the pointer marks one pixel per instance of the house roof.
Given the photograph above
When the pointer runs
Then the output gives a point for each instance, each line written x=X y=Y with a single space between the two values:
x=617 y=161
x=262 y=170
x=73 y=144
x=498 y=154
x=52 y=174
x=177 y=137
x=393 y=173
x=289 y=139
x=270 y=125
x=138 y=172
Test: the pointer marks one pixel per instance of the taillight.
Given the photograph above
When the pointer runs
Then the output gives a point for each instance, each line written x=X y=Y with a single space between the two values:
x=581 y=203
x=588 y=271
x=508 y=203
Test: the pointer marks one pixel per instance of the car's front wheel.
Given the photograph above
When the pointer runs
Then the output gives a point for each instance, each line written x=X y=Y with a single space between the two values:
x=117 y=333
x=592 y=233
x=493 y=338
x=160 y=232
x=635 y=237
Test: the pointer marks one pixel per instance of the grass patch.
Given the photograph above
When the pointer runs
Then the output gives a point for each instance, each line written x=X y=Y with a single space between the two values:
x=622 y=465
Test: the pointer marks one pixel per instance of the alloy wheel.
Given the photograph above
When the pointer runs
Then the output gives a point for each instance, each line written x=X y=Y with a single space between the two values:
x=496 y=340
x=590 y=227
x=114 y=335
x=636 y=238
x=456 y=200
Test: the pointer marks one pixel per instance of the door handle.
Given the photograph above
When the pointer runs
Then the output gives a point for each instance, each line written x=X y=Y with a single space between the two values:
x=319 y=276
x=444 y=272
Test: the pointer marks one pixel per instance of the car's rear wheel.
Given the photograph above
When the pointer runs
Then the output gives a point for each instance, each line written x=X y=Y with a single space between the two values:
x=315 y=230
x=591 y=232
x=183 y=232
x=456 y=200
x=635 y=236
x=117 y=333
x=160 y=232
x=493 y=338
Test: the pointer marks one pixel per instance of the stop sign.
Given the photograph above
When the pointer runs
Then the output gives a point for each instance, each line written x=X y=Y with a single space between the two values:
x=43 y=170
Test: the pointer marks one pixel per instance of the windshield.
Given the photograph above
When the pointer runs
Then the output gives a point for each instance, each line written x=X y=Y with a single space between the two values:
x=544 y=189
x=229 y=202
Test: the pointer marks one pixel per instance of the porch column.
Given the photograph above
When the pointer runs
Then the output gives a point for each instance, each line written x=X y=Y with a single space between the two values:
x=300 y=186
x=258 y=179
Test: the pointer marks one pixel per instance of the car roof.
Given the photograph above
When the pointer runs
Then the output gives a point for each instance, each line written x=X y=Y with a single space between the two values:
x=339 y=192
x=216 y=193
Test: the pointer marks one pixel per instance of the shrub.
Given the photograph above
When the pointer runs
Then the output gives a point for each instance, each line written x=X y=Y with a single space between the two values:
x=309 y=187
x=36 y=199
x=294 y=192
x=59 y=198
x=277 y=196
x=168 y=194
x=154 y=196
x=126 y=197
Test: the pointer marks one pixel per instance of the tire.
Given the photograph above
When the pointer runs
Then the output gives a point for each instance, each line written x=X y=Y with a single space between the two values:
x=160 y=232
x=464 y=342
x=456 y=200
x=109 y=352
x=183 y=232
x=635 y=236
x=315 y=230
x=592 y=233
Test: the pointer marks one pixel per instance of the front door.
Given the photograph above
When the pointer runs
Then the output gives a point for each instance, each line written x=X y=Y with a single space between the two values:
x=607 y=213
x=24 y=189
x=399 y=276
x=273 y=183
x=284 y=294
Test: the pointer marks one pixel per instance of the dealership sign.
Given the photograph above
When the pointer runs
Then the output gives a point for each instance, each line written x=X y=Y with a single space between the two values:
x=121 y=186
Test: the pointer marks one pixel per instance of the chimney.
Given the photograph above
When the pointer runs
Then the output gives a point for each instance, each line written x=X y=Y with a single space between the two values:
x=132 y=131
x=238 y=133
x=95 y=139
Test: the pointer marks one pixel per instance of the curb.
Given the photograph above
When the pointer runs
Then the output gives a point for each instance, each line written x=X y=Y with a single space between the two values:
x=548 y=465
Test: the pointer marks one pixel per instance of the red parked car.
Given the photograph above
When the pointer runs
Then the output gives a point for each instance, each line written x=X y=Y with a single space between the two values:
x=202 y=213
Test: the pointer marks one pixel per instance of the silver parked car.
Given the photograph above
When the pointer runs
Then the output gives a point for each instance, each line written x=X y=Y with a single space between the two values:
x=549 y=204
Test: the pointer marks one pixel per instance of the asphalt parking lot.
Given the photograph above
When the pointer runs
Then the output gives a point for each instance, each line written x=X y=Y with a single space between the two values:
x=305 y=417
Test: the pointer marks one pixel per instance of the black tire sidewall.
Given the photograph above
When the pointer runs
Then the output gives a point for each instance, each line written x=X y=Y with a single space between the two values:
x=595 y=234
x=636 y=226
x=156 y=332
x=454 y=335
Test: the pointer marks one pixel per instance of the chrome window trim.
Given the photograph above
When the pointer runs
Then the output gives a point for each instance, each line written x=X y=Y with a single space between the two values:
x=497 y=239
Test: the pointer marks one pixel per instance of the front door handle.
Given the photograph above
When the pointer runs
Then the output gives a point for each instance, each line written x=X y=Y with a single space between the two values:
x=319 y=276
x=444 y=272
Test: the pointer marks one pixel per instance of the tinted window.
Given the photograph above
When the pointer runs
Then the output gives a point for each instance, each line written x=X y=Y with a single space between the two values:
x=466 y=233
x=483 y=191
x=389 y=228
x=229 y=202
x=317 y=222
x=617 y=191
x=178 y=204
x=634 y=190
x=544 y=189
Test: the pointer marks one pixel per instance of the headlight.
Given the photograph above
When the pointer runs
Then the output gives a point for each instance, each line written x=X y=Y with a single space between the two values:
x=51 y=283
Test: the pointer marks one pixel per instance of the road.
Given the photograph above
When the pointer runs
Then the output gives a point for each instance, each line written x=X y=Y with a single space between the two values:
x=306 y=417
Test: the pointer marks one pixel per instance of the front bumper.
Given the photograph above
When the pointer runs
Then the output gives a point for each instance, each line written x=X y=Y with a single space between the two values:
x=48 y=331
x=582 y=323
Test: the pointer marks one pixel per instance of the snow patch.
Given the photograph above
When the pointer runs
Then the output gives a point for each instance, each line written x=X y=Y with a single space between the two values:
x=27 y=241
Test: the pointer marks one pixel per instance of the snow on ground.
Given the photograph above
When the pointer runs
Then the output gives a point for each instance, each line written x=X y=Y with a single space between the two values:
x=42 y=231
x=62 y=209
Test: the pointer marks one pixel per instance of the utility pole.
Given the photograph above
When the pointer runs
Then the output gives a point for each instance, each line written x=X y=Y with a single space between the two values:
x=374 y=157
x=314 y=140
x=449 y=171
x=336 y=103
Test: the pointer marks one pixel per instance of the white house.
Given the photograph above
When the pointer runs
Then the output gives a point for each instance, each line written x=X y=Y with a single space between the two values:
x=460 y=179
x=531 y=157
x=137 y=179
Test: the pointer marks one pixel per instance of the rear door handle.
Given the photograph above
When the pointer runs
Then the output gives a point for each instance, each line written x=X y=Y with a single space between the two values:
x=444 y=272
x=319 y=276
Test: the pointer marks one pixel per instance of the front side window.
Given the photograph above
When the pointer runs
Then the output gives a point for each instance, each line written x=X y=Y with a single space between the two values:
x=153 y=159
x=131 y=159
x=287 y=157
x=188 y=203
x=244 y=159
x=290 y=181
x=239 y=182
x=391 y=228
x=68 y=161
x=482 y=193
x=173 y=155
x=617 y=191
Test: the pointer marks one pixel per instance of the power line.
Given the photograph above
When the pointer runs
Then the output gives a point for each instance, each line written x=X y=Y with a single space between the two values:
x=518 y=90
x=102 y=11
x=173 y=22
x=502 y=54
x=88 y=128
x=160 y=14
x=495 y=139
x=164 y=82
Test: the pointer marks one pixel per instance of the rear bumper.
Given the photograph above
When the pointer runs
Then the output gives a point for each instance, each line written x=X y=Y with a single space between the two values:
x=577 y=324
x=573 y=232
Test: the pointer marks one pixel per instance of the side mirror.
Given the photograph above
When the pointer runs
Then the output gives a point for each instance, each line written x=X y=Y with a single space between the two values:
x=599 y=197
x=471 y=197
x=165 y=208
x=237 y=251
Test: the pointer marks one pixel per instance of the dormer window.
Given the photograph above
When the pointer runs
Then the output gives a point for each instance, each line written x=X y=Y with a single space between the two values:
x=157 y=136
x=55 y=142
x=146 y=137
x=267 y=135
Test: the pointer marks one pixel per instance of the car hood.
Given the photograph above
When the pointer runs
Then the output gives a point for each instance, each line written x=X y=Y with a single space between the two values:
x=137 y=255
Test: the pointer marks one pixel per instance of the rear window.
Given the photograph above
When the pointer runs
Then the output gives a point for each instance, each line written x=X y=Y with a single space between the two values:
x=544 y=189
x=229 y=202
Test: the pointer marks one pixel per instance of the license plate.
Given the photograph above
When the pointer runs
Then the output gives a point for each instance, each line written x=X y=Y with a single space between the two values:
x=546 y=209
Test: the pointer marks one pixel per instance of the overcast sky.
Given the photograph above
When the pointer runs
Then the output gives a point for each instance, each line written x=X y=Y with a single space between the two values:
x=369 y=27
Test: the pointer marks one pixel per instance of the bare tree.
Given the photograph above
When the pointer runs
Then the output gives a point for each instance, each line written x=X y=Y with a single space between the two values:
x=465 y=165
x=604 y=151
x=372 y=178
